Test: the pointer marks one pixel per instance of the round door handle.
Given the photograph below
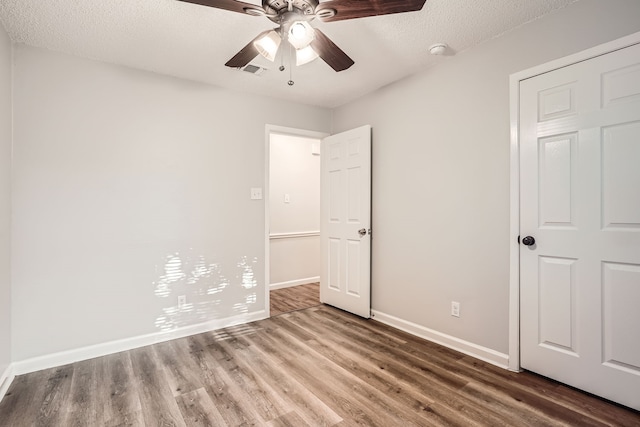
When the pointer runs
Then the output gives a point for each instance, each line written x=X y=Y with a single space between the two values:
x=528 y=241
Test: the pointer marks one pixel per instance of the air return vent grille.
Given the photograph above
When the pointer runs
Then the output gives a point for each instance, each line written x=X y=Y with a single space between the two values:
x=253 y=69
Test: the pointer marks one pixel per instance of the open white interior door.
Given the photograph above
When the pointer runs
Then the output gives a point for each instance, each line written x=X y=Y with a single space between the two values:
x=345 y=223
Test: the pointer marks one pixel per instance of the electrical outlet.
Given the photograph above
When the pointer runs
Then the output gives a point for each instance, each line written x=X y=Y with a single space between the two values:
x=455 y=308
x=256 y=193
x=182 y=301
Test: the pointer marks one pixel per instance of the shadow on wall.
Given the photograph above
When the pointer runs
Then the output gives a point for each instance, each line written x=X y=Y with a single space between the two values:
x=197 y=291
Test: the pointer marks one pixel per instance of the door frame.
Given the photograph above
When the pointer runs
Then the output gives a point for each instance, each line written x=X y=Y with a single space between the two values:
x=514 y=178
x=268 y=131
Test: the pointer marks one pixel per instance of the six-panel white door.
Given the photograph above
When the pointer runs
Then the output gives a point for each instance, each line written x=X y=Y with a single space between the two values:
x=580 y=201
x=345 y=188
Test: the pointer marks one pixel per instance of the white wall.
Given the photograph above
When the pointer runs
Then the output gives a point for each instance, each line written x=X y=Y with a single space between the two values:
x=130 y=189
x=295 y=171
x=441 y=173
x=5 y=201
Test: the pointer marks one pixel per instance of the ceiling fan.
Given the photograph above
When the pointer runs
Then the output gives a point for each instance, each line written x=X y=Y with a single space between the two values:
x=293 y=17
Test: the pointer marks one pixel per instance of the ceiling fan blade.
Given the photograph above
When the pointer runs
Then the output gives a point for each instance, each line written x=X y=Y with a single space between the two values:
x=351 y=9
x=246 y=54
x=329 y=52
x=232 y=5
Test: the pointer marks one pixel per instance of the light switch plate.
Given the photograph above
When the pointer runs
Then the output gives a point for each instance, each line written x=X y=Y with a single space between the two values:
x=256 y=193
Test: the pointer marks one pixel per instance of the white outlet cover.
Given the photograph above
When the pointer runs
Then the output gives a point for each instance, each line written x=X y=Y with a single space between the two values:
x=256 y=193
x=455 y=308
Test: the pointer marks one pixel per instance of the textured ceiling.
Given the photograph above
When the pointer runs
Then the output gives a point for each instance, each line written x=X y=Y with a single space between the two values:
x=193 y=42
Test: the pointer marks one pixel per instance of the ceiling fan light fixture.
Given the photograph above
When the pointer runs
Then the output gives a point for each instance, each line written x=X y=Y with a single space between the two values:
x=298 y=30
x=268 y=45
x=305 y=55
x=301 y=34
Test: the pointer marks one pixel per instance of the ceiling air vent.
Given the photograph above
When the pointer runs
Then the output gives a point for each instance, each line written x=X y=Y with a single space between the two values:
x=253 y=69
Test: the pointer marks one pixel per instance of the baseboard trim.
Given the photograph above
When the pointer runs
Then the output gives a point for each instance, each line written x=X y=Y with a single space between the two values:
x=6 y=378
x=70 y=356
x=479 y=352
x=291 y=283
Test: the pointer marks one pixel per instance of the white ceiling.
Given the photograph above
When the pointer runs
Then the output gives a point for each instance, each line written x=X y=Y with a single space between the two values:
x=193 y=42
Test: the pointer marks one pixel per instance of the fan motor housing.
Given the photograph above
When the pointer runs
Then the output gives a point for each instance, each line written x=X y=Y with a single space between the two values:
x=277 y=9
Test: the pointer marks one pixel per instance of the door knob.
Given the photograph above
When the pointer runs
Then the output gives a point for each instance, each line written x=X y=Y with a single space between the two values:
x=528 y=241
x=362 y=232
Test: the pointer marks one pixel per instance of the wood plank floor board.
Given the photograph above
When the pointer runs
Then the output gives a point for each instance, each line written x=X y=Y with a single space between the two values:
x=524 y=382
x=299 y=333
x=308 y=407
x=234 y=412
x=121 y=402
x=294 y=298
x=561 y=395
x=451 y=371
x=555 y=394
x=133 y=419
x=292 y=419
x=386 y=372
x=385 y=334
x=267 y=403
x=179 y=368
x=286 y=392
x=373 y=330
x=331 y=384
x=596 y=408
x=389 y=359
x=501 y=404
x=448 y=373
x=317 y=366
x=529 y=392
x=418 y=398
x=55 y=404
x=335 y=374
x=237 y=409
x=159 y=407
x=24 y=398
x=233 y=407
x=85 y=394
x=207 y=364
x=197 y=408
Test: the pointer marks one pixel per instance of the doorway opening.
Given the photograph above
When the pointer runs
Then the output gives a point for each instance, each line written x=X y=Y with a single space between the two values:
x=292 y=219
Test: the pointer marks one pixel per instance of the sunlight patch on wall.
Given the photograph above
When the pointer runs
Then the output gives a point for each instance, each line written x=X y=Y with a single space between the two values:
x=173 y=274
x=197 y=290
x=248 y=279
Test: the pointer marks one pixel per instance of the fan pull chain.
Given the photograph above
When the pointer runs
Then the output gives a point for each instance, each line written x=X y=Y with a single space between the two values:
x=281 y=51
x=290 y=82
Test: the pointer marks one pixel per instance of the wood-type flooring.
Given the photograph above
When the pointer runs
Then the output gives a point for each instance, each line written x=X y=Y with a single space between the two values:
x=314 y=367
x=294 y=298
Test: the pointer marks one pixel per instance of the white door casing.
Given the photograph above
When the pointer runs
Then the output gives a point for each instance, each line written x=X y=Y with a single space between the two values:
x=345 y=188
x=580 y=199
